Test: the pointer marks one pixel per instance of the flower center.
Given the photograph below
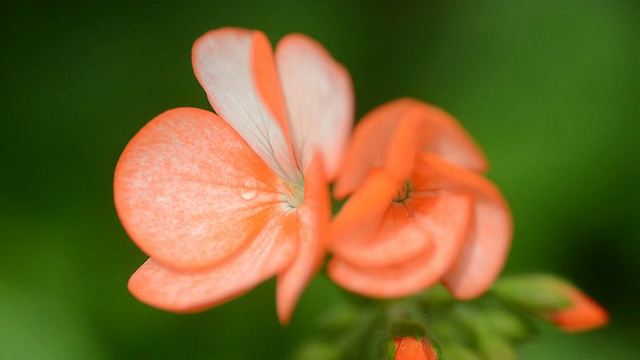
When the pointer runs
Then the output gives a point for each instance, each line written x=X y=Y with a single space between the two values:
x=403 y=192
x=293 y=193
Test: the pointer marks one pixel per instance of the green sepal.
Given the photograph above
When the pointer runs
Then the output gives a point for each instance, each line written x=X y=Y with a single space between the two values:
x=535 y=292
x=407 y=328
x=436 y=347
x=390 y=349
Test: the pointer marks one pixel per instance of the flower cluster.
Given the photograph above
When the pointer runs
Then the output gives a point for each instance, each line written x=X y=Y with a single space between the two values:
x=223 y=201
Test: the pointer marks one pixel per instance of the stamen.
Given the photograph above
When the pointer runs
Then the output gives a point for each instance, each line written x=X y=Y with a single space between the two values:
x=404 y=192
x=293 y=193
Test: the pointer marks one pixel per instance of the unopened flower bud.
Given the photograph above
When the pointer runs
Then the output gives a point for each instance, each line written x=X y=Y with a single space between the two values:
x=410 y=348
x=583 y=313
x=554 y=300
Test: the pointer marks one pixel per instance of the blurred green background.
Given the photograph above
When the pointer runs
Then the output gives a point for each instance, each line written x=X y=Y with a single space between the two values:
x=550 y=89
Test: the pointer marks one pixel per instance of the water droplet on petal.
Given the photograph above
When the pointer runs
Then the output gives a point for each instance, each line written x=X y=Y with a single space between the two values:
x=249 y=191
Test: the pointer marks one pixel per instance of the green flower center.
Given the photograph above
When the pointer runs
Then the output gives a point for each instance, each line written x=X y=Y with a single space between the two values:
x=404 y=192
x=293 y=193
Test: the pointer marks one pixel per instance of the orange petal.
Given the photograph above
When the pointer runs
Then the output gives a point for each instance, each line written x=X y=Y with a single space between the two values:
x=389 y=134
x=319 y=99
x=443 y=221
x=409 y=348
x=190 y=192
x=385 y=240
x=371 y=143
x=237 y=71
x=267 y=80
x=487 y=245
x=313 y=219
x=583 y=314
x=441 y=134
x=484 y=253
x=370 y=201
x=168 y=289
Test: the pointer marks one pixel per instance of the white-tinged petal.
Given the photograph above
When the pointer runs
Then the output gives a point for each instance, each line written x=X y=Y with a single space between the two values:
x=319 y=100
x=225 y=62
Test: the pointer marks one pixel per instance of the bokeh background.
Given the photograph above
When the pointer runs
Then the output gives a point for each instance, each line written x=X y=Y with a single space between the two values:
x=550 y=89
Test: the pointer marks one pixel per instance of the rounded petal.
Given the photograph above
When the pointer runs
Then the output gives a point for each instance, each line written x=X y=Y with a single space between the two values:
x=389 y=136
x=441 y=134
x=444 y=221
x=370 y=143
x=319 y=100
x=484 y=253
x=391 y=238
x=313 y=221
x=190 y=192
x=237 y=71
x=181 y=291
x=489 y=239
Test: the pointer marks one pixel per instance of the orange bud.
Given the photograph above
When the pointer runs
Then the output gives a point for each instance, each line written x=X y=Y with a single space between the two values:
x=583 y=313
x=553 y=299
x=410 y=348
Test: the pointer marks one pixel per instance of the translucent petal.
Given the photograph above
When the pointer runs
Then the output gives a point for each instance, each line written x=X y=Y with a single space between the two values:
x=181 y=291
x=489 y=239
x=389 y=136
x=190 y=192
x=237 y=71
x=319 y=100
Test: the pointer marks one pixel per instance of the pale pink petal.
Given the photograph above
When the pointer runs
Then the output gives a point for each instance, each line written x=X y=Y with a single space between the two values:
x=232 y=65
x=313 y=219
x=190 y=192
x=487 y=245
x=484 y=254
x=178 y=291
x=319 y=100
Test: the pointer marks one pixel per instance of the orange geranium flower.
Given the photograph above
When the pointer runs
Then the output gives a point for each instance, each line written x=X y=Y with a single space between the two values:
x=222 y=202
x=410 y=348
x=419 y=210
